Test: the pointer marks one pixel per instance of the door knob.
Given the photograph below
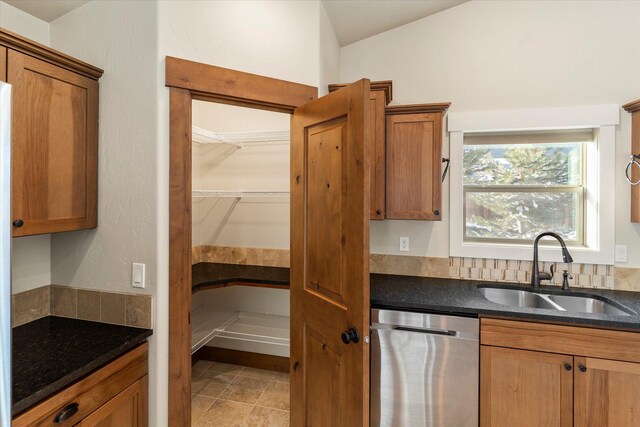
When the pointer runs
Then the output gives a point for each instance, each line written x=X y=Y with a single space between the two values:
x=351 y=335
x=18 y=223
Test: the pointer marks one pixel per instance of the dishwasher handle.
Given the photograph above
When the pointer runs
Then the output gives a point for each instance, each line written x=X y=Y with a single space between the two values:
x=427 y=331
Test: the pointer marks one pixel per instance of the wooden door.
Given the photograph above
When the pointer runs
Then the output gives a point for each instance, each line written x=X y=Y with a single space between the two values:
x=414 y=148
x=126 y=409
x=525 y=388
x=330 y=259
x=55 y=141
x=606 y=393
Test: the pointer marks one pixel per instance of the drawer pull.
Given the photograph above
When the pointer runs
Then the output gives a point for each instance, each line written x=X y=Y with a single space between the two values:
x=69 y=411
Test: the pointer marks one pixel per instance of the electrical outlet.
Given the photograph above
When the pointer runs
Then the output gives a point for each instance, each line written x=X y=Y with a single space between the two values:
x=404 y=244
x=621 y=253
x=137 y=275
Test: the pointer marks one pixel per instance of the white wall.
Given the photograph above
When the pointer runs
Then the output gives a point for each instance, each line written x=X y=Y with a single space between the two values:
x=130 y=40
x=329 y=54
x=121 y=38
x=486 y=55
x=255 y=223
x=19 y=22
x=31 y=256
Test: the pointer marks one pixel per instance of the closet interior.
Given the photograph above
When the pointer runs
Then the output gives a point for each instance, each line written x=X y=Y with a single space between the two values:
x=240 y=199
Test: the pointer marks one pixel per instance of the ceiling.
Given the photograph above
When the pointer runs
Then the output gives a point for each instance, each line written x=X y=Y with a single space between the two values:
x=47 y=10
x=352 y=20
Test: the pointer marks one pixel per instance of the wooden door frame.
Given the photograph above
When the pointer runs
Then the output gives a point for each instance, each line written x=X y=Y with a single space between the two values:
x=188 y=80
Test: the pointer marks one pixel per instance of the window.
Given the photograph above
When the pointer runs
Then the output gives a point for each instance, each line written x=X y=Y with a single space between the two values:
x=517 y=185
x=517 y=173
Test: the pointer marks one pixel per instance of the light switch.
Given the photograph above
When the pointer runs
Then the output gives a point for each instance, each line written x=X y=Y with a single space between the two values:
x=621 y=253
x=137 y=275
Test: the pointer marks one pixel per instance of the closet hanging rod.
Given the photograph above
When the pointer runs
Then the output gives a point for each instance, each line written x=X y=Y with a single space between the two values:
x=238 y=139
x=238 y=193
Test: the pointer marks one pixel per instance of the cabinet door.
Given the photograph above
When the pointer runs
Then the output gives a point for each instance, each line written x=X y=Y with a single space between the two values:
x=413 y=166
x=127 y=409
x=525 y=388
x=377 y=170
x=54 y=159
x=606 y=393
x=3 y=63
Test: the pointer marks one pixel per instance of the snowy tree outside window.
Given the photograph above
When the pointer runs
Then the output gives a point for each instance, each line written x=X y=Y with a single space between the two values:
x=514 y=191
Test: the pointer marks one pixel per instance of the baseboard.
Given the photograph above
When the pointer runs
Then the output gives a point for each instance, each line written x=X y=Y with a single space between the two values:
x=243 y=358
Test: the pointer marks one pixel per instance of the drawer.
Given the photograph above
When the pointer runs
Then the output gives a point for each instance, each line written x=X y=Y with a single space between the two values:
x=550 y=338
x=89 y=393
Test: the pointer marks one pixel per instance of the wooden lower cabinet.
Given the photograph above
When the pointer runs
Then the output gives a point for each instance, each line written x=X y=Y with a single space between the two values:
x=113 y=396
x=606 y=393
x=525 y=388
x=127 y=409
x=586 y=377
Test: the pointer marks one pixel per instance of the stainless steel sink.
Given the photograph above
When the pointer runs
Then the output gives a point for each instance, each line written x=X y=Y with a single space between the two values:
x=586 y=305
x=518 y=298
x=530 y=299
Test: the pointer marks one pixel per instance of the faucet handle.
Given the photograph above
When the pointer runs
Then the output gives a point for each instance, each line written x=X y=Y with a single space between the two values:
x=552 y=272
x=565 y=280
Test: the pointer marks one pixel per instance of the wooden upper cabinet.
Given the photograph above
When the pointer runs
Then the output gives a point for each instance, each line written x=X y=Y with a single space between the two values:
x=525 y=388
x=413 y=161
x=606 y=393
x=380 y=95
x=54 y=138
x=634 y=109
x=3 y=64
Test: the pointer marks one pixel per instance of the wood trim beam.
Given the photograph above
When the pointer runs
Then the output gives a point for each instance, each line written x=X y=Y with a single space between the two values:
x=234 y=87
x=18 y=43
x=180 y=258
x=243 y=358
x=440 y=107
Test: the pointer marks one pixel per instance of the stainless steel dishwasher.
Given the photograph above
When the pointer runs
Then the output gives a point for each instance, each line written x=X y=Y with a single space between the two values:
x=424 y=369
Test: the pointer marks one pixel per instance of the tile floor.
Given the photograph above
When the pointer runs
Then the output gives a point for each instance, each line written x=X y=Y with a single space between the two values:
x=229 y=395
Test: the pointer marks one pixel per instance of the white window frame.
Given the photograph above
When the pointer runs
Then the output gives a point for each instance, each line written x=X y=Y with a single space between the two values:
x=600 y=167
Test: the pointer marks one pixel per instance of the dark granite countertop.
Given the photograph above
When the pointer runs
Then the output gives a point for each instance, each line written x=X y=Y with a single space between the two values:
x=441 y=295
x=464 y=297
x=207 y=273
x=49 y=354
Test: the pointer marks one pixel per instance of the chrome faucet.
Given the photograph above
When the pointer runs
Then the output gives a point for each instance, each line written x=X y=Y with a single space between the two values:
x=536 y=275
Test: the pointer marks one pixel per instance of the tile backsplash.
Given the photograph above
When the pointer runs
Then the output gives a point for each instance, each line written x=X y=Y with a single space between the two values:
x=583 y=275
x=99 y=306
x=500 y=270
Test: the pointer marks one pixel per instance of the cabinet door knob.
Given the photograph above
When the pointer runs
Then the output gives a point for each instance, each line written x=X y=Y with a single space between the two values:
x=351 y=335
x=18 y=223
x=378 y=212
x=436 y=212
x=567 y=366
x=582 y=368
x=69 y=411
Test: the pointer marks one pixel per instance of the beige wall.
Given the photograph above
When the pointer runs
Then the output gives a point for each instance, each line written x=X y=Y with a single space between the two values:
x=31 y=256
x=487 y=55
x=263 y=166
x=130 y=40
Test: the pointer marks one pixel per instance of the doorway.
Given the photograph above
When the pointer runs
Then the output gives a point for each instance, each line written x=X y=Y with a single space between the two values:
x=240 y=219
x=190 y=81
